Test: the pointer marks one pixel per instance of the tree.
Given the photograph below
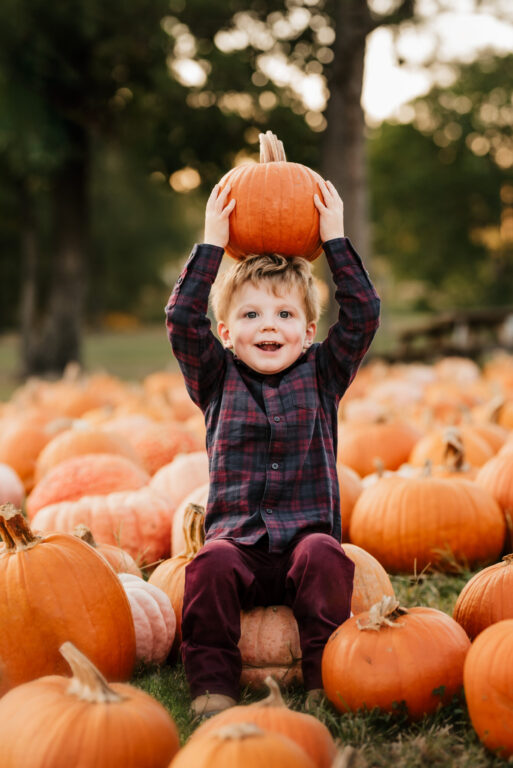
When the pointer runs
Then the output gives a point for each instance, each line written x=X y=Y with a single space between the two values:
x=442 y=189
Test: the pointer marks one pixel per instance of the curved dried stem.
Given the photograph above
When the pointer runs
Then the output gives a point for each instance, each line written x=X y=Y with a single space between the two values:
x=274 y=698
x=454 y=451
x=271 y=148
x=193 y=529
x=383 y=614
x=15 y=531
x=81 y=531
x=87 y=683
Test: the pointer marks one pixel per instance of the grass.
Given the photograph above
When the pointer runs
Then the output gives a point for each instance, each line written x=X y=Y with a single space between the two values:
x=445 y=739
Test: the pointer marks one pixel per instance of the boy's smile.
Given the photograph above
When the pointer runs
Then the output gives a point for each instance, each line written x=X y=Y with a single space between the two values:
x=267 y=331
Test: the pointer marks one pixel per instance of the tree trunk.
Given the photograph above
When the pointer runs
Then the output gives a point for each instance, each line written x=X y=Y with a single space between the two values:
x=343 y=158
x=58 y=341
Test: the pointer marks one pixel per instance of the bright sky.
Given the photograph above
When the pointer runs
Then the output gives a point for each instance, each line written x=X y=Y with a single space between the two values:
x=460 y=34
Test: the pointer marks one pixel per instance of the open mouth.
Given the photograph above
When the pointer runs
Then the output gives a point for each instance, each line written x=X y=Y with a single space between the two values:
x=269 y=346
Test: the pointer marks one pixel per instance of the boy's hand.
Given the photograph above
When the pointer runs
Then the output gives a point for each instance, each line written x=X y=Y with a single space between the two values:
x=217 y=217
x=331 y=212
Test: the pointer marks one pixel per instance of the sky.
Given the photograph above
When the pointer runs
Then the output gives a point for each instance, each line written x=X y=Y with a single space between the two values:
x=460 y=35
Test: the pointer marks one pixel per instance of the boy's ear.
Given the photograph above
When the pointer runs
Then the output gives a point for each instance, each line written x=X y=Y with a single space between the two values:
x=224 y=334
x=311 y=329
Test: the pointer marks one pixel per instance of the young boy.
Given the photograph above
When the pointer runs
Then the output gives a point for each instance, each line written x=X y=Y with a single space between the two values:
x=270 y=398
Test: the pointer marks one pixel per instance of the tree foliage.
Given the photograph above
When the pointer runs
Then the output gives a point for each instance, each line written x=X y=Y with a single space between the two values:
x=442 y=188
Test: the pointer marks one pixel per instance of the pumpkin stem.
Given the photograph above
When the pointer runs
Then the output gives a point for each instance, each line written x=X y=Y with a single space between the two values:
x=454 y=452
x=193 y=529
x=87 y=683
x=508 y=559
x=274 y=698
x=493 y=409
x=84 y=533
x=271 y=148
x=14 y=529
x=237 y=731
x=383 y=614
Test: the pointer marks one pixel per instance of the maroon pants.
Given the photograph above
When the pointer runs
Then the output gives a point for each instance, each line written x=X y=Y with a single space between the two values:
x=314 y=577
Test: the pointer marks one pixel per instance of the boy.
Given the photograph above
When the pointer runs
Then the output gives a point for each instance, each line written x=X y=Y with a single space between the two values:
x=270 y=398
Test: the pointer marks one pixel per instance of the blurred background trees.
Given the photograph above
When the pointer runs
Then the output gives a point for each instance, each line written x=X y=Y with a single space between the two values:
x=117 y=119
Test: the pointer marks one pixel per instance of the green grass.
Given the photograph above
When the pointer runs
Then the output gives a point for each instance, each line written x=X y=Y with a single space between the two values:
x=445 y=739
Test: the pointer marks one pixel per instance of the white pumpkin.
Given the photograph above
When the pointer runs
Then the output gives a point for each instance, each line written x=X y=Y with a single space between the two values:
x=154 y=619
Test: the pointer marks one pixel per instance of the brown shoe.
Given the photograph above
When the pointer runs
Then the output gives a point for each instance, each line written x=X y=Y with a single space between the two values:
x=314 y=698
x=210 y=704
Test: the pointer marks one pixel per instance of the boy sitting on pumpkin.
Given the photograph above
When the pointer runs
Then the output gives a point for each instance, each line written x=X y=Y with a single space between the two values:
x=270 y=397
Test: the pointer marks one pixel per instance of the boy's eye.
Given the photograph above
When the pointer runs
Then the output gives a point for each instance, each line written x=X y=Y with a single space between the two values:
x=251 y=314
x=284 y=313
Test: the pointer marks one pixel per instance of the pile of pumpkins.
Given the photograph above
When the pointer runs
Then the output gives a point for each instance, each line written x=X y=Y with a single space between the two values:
x=103 y=486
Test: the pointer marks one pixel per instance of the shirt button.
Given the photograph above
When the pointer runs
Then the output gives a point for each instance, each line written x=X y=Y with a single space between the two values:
x=269 y=511
x=277 y=418
x=274 y=465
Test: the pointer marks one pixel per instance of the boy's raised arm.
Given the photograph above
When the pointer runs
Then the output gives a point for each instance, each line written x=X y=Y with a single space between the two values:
x=199 y=353
x=341 y=353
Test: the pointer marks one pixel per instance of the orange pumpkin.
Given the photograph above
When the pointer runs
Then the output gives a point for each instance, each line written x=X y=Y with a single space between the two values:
x=371 y=581
x=363 y=446
x=486 y=598
x=275 y=210
x=57 y=588
x=242 y=744
x=496 y=476
x=119 y=560
x=83 y=721
x=198 y=496
x=415 y=656
x=488 y=681
x=433 y=445
x=90 y=474
x=158 y=444
x=169 y=576
x=409 y=523
x=272 y=714
x=350 y=488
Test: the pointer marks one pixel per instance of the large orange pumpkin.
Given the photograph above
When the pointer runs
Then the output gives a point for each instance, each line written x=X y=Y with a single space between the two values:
x=84 y=722
x=242 y=744
x=364 y=447
x=275 y=210
x=272 y=714
x=57 y=588
x=390 y=654
x=486 y=598
x=488 y=681
x=408 y=523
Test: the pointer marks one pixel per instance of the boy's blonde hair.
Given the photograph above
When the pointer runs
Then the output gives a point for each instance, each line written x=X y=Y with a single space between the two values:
x=275 y=271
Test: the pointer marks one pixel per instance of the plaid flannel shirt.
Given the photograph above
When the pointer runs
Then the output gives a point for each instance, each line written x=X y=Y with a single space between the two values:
x=271 y=439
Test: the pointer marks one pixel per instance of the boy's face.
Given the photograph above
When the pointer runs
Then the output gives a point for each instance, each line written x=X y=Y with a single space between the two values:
x=268 y=332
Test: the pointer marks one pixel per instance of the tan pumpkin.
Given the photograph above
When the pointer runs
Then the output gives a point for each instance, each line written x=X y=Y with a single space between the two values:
x=198 y=496
x=416 y=656
x=57 y=588
x=486 y=598
x=158 y=444
x=272 y=714
x=275 y=210
x=84 y=722
x=11 y=488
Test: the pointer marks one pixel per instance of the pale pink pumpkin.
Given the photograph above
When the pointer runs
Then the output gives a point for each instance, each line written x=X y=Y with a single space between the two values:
x=11 y=488
x=92 y=474
x=154 y=619
x=137 y=521
x=181 y=476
